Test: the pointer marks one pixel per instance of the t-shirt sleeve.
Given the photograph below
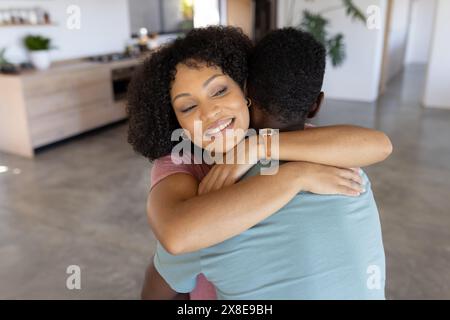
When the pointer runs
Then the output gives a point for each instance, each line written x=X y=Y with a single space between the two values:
x=165 y=166
x=180 y=271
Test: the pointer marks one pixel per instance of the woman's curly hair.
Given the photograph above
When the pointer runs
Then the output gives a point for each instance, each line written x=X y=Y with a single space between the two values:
x=151 y=116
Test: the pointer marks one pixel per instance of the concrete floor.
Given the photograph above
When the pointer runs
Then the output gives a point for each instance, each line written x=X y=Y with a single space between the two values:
x=82 y=202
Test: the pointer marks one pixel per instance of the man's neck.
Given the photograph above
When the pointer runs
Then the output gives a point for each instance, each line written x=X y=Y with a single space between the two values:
x=285 y=127
x=293 y=127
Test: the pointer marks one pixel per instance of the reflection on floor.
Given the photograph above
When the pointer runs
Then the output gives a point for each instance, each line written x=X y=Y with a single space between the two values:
x=82 y=203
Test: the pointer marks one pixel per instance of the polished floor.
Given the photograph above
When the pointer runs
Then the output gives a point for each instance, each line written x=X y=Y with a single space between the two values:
x=82 y=202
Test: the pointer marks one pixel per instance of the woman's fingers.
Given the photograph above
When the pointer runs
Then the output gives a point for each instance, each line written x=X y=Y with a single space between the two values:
x=350 y=184
x=215 y=179
x=351 y=174
x=231 y=173
x=207 y=181
x=230 y=179
x=201 y=187
x=348 y=191
x=218 y=180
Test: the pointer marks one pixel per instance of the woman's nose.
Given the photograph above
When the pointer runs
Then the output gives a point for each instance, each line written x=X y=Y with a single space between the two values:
x=210 y=113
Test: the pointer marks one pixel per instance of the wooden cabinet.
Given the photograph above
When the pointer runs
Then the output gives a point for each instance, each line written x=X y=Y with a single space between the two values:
x=39 y=108
x=240 y=14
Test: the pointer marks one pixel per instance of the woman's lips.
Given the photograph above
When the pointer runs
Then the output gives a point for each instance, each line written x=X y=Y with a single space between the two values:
x=219 y=126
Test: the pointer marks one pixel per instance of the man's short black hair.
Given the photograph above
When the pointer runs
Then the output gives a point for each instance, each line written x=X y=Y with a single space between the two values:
x=286 y=70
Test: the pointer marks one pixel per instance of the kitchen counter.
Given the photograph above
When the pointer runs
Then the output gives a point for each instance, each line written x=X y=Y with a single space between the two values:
x=75 y=64
x=39 y=107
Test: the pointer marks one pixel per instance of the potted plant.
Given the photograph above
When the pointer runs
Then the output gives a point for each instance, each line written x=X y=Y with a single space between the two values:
x=39 y=50
x=5 y=65
x=317 y=24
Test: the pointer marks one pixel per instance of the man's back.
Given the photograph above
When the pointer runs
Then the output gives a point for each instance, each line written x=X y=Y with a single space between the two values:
x=316 y=247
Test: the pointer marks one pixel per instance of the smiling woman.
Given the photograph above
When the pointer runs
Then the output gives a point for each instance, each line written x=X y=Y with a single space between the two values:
x=199 y=80
x=207 y=102
x=200 y=77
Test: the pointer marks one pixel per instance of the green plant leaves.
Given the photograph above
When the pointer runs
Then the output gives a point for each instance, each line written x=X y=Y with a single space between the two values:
x=316 y=24
x=2 y=56
x=353 y=11
x=336 y=49
x=34 y=43
x=334 y=45
x=3 y=61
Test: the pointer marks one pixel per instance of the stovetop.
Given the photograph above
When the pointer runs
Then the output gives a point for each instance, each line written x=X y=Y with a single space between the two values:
x=104 y=58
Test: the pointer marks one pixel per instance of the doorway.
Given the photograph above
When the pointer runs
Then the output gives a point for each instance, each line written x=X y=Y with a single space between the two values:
x=407 y=38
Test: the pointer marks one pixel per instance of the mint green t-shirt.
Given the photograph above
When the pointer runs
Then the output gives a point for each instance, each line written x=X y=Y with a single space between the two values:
x=315 y=247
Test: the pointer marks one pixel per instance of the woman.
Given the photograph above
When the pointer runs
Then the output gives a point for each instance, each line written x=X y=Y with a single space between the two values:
x=201 y=78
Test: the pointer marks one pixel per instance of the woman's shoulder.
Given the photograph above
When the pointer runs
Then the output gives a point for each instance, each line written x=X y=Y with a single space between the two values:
x=172 y=164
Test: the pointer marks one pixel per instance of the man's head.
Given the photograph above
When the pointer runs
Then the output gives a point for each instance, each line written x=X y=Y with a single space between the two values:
x=286 y=71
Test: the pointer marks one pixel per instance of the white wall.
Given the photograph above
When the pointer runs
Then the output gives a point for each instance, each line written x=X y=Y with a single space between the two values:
x=144 y=14
x=105 y=28
x=358 y=78
x=397 y=38
x=206 y=12
x=437 y=88
x=420 y=32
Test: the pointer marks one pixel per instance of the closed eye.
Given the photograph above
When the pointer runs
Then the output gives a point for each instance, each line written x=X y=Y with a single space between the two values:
x=188 y=109
x=220 y=92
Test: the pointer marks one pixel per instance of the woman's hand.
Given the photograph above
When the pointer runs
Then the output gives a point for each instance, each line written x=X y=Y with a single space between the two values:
x=314 y=178
x=322 y=179
x=237 y=162
x=222 y=175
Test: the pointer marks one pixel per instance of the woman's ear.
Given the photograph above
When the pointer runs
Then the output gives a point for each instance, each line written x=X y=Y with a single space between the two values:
x=316 y=106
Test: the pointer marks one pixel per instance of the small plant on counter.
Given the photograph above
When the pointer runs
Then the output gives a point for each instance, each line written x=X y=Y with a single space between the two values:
x=36 y=43
x=38 y=48
x=3 y=60
x=5 y=65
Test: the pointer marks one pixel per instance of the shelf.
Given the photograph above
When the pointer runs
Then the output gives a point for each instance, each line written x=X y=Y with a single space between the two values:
x=28 y=25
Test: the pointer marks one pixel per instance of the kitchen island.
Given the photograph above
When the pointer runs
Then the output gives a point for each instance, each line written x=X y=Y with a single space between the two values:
x=38 y=108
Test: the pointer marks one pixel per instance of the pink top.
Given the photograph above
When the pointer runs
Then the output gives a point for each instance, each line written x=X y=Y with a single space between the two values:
x=164 y=167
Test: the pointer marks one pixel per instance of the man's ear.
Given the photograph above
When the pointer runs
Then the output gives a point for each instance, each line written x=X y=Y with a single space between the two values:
x=316 y=107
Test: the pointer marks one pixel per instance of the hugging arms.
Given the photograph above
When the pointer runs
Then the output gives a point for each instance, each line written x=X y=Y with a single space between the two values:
x=192 y=80
x=184 y=219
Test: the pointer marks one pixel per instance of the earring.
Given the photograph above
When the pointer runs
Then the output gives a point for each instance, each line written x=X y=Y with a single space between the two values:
x=249 y=102
x=184 y=135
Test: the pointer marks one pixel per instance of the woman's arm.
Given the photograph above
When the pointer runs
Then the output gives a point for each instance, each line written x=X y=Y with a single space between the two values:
x=341 y=146
x=184 y=221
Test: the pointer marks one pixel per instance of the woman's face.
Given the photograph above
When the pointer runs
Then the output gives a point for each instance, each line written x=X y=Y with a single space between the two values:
x=210 y=106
